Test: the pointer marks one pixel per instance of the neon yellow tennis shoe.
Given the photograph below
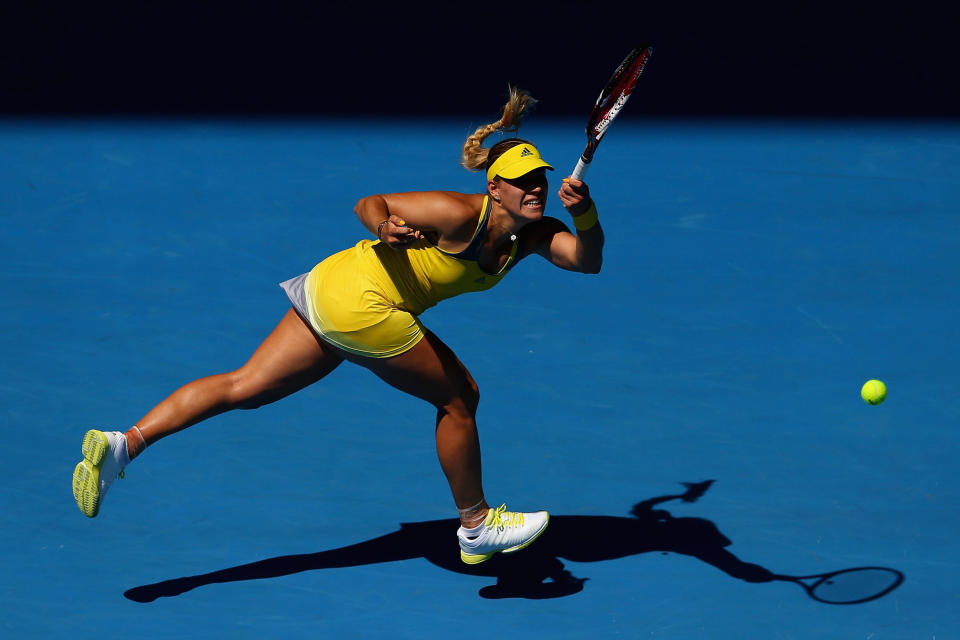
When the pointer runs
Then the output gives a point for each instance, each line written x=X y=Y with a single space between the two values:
x=104 y=457
x=503 y=531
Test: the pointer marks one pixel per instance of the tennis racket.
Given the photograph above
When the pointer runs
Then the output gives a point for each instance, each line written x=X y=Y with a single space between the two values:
x=611 y=101
x=849 y=586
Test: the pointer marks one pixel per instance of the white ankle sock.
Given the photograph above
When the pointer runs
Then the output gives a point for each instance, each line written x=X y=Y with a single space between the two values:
x=469 y=514
x=473 y=532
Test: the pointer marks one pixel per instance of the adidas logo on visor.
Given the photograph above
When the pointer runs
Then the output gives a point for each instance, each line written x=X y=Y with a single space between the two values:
x=526 y=152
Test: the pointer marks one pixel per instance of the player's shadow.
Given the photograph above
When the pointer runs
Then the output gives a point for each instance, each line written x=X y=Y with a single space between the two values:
x=535 y=572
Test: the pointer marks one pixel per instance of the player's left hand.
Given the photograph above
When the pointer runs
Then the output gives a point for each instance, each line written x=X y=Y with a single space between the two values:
x=397 y=234
x=575 y=196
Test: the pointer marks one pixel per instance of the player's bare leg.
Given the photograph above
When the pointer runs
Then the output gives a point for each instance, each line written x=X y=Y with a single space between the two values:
x=290 y=359
x=432 y=372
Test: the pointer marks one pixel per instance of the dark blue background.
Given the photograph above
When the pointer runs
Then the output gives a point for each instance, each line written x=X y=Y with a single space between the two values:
x=430 y=58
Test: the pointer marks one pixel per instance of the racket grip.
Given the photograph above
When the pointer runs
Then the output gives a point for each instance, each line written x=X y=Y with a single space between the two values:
x=581 y=169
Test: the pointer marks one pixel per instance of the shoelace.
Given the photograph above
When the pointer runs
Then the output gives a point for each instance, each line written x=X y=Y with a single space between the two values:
x=502 y=518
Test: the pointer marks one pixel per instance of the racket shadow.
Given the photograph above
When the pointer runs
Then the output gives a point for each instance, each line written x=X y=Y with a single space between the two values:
x=535 y=573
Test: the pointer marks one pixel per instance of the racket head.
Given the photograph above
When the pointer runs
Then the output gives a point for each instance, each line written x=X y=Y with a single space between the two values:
x=614 y=95
x=853 y=586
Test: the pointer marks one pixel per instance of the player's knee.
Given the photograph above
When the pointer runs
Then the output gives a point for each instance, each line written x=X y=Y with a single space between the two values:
x=465 y=401
x=471 y=396
x=246 y=392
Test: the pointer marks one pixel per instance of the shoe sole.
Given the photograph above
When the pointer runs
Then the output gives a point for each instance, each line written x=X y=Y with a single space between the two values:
x=477 y=558
x=86 y=475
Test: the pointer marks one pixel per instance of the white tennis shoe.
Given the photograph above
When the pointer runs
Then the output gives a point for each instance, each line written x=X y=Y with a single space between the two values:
x=104 y=457
x=503 y=531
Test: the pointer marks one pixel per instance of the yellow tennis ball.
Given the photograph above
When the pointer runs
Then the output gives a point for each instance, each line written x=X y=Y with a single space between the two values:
x=873 y=392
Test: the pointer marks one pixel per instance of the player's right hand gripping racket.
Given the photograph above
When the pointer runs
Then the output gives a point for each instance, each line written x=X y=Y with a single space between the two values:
x=611 y=100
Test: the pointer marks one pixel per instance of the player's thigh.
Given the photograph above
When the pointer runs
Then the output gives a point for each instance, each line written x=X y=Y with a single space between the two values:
x=430 y=371
x=290 y=358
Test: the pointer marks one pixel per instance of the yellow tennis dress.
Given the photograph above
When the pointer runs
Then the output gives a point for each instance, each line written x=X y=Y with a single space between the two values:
x=366 y=299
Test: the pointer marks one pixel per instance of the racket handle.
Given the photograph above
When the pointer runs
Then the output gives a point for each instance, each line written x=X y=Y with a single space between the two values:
x=581 y=169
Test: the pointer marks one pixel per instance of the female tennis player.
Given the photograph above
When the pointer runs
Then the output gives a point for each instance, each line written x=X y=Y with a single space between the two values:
x=363 y=305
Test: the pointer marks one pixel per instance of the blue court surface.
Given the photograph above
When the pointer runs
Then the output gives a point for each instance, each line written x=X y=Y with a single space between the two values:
x=691 y=416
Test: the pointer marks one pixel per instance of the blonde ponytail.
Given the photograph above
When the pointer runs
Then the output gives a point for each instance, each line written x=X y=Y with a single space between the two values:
x=474 y=153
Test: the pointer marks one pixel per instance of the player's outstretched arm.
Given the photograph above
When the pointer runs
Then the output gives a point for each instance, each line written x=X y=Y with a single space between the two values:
x=400 y=219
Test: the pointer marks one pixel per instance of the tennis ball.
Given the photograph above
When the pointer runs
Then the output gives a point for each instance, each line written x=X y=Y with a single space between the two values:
x=873 y=392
